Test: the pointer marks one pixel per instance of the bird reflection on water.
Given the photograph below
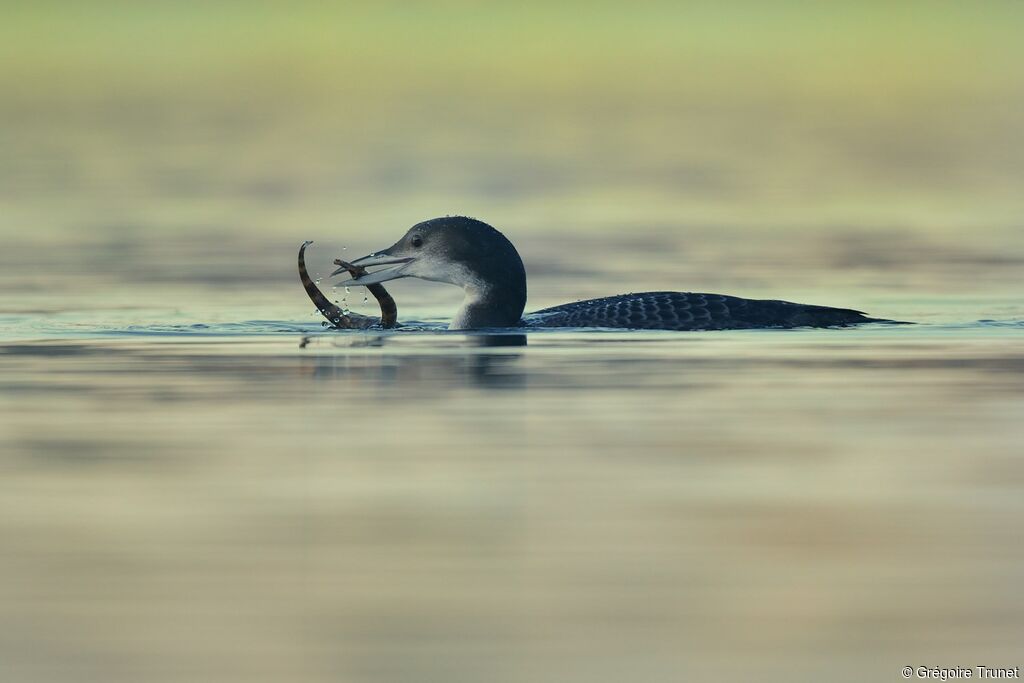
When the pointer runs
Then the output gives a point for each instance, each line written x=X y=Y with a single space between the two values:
x=501 y=370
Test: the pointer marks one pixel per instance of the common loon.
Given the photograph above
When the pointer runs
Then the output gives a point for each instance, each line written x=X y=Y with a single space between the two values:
x=471 y=254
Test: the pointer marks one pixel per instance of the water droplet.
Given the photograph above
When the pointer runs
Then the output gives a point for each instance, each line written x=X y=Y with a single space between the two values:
x=347 y=291
x=344 y=248
x=365 y=299
x=317 y=280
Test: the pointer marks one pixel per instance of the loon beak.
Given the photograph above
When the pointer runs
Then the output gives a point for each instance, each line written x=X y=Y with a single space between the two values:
x=384 y=275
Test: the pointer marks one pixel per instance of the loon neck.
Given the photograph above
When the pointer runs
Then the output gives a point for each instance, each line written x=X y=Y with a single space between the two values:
x=490 y=305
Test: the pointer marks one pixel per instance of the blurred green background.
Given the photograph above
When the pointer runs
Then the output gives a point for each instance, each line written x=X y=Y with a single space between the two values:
x=303 y=118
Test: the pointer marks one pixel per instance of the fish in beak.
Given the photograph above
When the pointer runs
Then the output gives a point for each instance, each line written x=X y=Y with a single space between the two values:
x=395 y=271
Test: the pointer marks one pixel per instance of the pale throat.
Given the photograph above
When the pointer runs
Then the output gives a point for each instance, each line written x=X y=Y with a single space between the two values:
x=475 y=304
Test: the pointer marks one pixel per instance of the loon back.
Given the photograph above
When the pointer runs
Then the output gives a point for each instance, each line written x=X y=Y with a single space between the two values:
x=692 y=311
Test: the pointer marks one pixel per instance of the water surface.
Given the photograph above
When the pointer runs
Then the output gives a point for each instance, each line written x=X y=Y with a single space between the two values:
x=263 y=500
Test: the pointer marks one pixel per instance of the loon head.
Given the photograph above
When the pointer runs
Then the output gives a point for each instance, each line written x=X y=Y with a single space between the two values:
x=460 y=251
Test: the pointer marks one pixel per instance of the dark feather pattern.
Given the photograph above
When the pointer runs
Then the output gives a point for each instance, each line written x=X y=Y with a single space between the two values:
x=692 y=311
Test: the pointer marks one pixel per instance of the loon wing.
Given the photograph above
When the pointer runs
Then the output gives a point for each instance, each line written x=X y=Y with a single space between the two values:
x=691 y=311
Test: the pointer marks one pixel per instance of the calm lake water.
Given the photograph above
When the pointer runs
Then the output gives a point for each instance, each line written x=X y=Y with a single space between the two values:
x=199 y=483
x=193 y=493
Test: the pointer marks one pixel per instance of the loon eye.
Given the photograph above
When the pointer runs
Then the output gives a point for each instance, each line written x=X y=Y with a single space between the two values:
x=417 y=241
